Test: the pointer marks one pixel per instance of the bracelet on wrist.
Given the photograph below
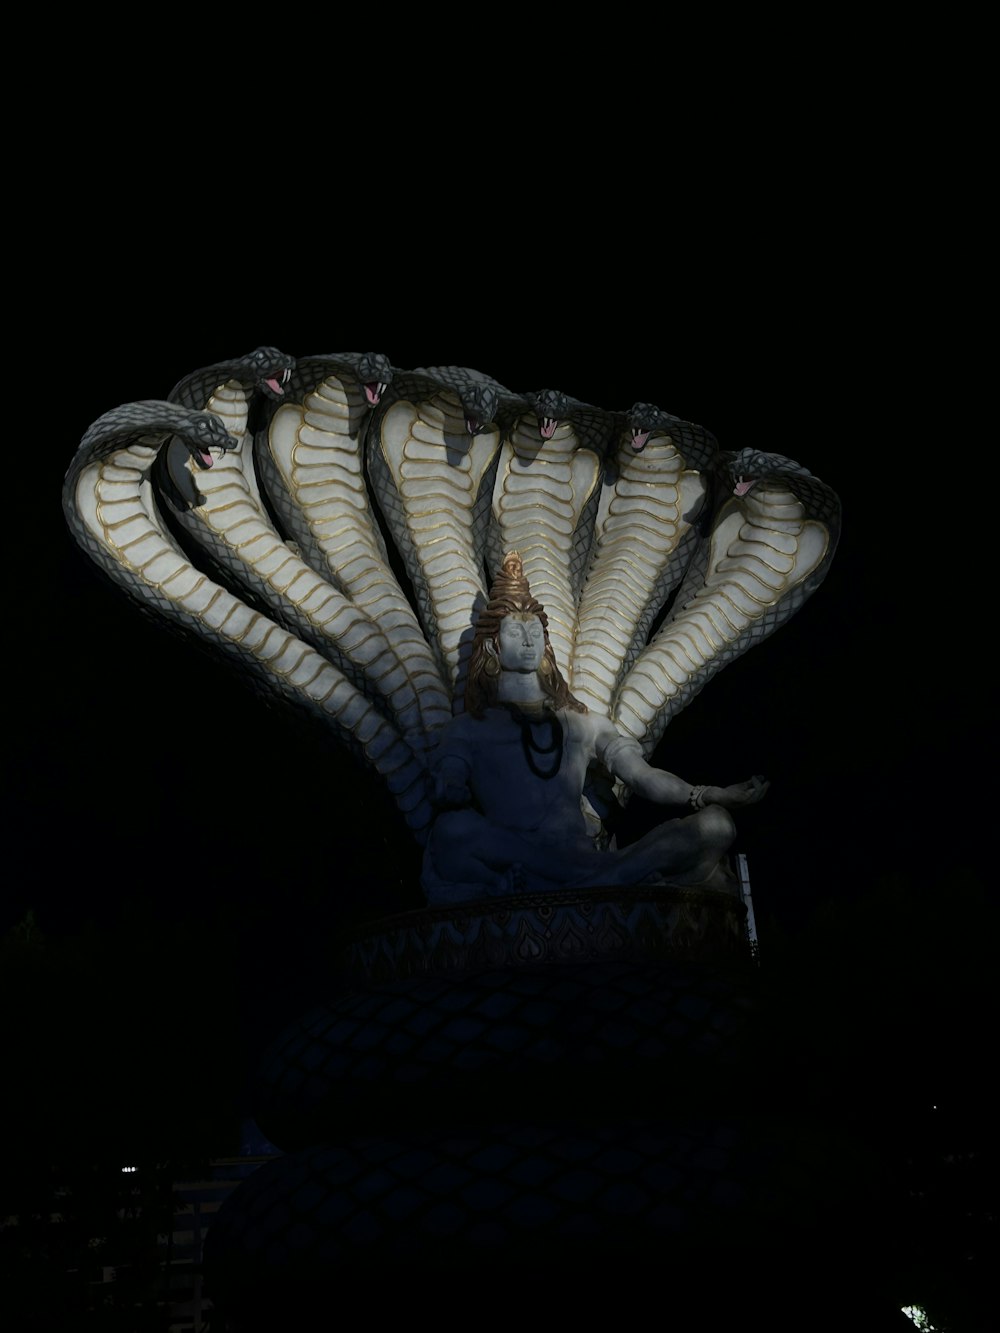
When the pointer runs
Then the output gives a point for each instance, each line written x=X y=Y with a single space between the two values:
x=697 y=798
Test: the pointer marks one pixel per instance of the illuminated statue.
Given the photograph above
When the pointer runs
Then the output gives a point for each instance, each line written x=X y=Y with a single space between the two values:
x=256 y=509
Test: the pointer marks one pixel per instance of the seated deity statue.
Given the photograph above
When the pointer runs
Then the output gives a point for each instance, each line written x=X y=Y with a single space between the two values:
x=509 y=777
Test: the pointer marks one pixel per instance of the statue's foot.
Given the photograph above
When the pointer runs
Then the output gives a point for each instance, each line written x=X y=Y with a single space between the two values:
x=721 y=880
x=655 y=880
x=514 y=880
x=518 y=878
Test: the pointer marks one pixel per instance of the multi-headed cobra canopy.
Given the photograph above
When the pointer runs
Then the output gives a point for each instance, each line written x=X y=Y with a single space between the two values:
x=658 y=559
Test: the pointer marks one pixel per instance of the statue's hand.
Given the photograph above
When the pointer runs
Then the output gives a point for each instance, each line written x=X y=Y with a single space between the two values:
x=451 y=786
x=739 y=794
x=451 y=795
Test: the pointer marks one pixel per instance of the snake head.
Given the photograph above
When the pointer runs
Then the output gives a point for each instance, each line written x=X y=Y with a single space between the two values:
x=202 y=433
x=550 y=407
x=750 y=466
x=375 y=373
x=643 y=420
x=480 y=403
x=271 y=371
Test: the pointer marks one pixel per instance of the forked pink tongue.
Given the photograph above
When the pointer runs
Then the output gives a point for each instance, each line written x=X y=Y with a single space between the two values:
x=548 y=428
x=273 y=385
x=206 y=458
x=639 y=438
x=743 y=486
x=372 y=394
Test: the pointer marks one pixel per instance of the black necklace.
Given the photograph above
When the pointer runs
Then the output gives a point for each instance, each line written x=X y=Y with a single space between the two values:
x=533 y=745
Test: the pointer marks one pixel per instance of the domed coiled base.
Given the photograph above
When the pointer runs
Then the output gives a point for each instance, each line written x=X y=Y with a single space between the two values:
x=564 y=1090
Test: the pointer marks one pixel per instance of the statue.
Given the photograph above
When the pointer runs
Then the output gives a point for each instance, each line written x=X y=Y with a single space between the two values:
x=327 y=525
x=324 y=523
x=510 y=774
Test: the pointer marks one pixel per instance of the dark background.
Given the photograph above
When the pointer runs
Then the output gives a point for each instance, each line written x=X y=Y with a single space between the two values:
x=181 y=858
x=776 y=232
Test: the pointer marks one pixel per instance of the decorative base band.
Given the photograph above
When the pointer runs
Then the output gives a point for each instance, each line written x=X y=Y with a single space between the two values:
x=574 y=926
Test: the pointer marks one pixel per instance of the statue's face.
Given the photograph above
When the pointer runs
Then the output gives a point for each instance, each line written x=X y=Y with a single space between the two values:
x=521 y=642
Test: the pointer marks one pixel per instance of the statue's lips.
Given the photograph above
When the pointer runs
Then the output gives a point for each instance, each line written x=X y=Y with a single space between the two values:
x=526 y=657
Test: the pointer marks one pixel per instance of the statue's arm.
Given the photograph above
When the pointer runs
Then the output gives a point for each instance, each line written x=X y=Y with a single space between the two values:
x=622 y=756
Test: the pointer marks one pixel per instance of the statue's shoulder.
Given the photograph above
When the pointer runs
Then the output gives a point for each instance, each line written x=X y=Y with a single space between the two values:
x=594 y=730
